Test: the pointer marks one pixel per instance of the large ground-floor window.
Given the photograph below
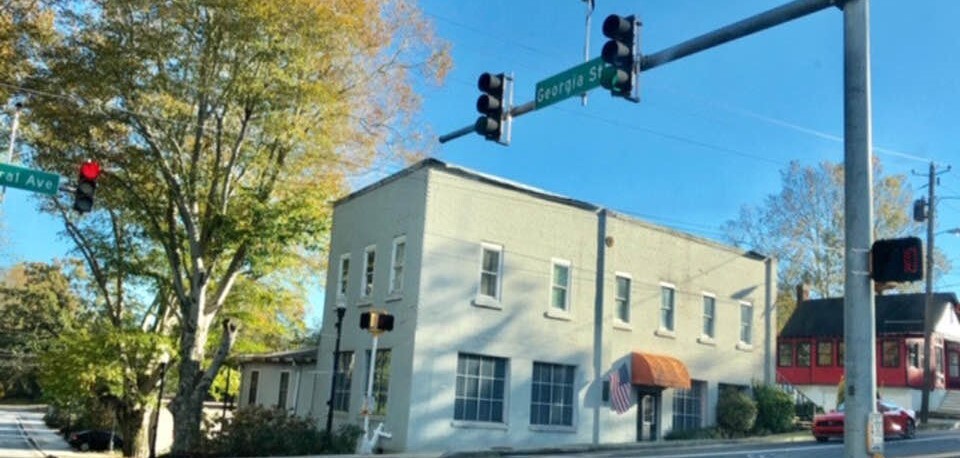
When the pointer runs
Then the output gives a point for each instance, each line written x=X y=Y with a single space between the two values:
x=688 y=406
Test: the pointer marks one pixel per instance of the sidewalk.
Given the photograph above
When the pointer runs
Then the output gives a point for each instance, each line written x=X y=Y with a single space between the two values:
x=46 y=440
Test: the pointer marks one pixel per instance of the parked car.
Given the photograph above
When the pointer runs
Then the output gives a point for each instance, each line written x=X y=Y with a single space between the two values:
x=93 y=439
x=897 y=422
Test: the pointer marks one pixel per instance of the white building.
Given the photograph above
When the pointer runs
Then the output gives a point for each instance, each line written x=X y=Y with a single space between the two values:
x=283 y=379
x=502 y=335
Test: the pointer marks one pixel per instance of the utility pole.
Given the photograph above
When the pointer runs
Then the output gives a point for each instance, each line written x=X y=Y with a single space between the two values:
x=928 y=308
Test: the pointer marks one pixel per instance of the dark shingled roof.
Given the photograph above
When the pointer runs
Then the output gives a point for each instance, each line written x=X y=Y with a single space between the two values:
x=299 y=356
x=895 y=314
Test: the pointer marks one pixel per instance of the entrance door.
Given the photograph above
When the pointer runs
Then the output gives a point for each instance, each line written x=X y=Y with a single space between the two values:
x=648 y=415
x=953 y=369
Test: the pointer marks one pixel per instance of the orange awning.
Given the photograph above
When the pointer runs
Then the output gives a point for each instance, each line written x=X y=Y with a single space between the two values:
x=659 y=370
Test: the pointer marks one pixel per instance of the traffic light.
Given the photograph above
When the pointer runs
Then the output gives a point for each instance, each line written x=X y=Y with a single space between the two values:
x=620 y=52
x=376 y=321
x=897 y=260
x=86 y=187
x=920 y=210
x=493 y=105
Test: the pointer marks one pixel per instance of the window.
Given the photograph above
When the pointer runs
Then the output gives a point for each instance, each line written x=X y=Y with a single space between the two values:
x=623 y=298
x=785 y=354
x=913 y=354
x=284 y=388
x=825 y=353
x=890 y=353
x=746 y=323
x=252 y=393
x=491 y=264
x=396 y=265
x=938 y=361
x=480 y=391
x=560 y=290
x=381 y=381
x=667 y=294
x=342 y=380
x=552 y=395
x=688 y=406
x=344 y=277
x=841 y=351
x=369 y=264
x=709 y=312
x=803 y=354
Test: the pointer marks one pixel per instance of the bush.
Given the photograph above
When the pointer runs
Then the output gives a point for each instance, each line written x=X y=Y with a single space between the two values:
x=775 y=409
x=807 y=409
x=736 y=412
x=258 y=431
x=693 y=434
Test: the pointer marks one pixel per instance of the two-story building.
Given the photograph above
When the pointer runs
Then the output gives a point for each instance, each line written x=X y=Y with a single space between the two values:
x=515 y=308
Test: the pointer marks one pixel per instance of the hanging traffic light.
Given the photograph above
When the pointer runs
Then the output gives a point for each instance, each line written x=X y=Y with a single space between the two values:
x=86 y=187
x=620 y=52
x=376 y=322
x=897 y=260
x=493 y=105
x=920 y=210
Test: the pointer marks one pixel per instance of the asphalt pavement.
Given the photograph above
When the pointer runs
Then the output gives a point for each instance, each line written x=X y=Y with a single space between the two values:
x=24 y=434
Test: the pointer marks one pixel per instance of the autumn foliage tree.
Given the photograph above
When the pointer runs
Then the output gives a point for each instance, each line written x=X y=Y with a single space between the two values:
x=225 y=128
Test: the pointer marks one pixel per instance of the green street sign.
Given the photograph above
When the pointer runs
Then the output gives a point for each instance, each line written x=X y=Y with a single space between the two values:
x=12 y=176
x=570 y=82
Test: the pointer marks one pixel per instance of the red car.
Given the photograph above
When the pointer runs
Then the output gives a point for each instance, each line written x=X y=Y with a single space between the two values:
x=897 y=422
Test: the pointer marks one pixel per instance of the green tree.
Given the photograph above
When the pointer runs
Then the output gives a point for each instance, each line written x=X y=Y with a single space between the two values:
x=226 y=129
x=803 y=227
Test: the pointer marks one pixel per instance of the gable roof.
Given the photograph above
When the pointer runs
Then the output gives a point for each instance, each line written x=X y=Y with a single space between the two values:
x=895 y=314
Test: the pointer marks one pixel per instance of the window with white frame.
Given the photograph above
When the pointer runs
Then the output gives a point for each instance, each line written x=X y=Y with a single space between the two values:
x=381 y=381
x=481 y=388
x=491 y=266
x=284 y=390
x=396 y=264
x=560 y=289
x=746 y=323
x=252 y=389
x=369 y=265
x=667 y=306
x=342 y=380
x=709 y=314
x=551 y=395
x=622 y=298
x=344 y=277
x=688 y=406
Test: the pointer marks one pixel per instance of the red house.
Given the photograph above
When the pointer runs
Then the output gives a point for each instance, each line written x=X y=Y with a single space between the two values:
x=810 y=349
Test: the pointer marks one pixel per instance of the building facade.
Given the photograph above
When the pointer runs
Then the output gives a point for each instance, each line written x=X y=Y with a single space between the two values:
x=284 y=380
x=524 y=318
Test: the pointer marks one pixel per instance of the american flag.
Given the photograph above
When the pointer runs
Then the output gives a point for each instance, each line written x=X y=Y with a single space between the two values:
x=620 y=388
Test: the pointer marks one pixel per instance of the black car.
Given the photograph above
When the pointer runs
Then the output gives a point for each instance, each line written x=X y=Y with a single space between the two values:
x=93 y=439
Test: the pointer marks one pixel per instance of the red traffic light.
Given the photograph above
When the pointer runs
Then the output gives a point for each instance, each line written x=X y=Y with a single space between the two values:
x=90 y=170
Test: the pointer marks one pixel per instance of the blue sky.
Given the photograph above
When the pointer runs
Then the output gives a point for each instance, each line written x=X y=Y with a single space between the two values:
x=712 y=130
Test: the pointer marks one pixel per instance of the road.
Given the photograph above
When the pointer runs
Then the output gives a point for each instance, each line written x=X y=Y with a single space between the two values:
x=927 y=444
x=18 y=423
x=13 y=439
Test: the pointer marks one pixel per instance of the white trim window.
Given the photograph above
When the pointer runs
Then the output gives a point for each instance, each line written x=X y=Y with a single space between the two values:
x=369 y=267
x=284 y=390
x=481 y=390
x=344 y=278
x=491 y=271
x=709 y=315
x=560 y=285
x=397 y=262
x=668 y=305
x=746 y=323
x=551 y=394
x=252 y=388
x=622 y=298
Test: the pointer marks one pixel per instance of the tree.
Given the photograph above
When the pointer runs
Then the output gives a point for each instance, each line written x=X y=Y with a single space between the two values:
x=226 y=129
x=803 y=227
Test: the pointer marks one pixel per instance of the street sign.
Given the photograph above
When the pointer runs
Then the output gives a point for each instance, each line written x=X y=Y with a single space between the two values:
x=570 y=82
x=13 y=176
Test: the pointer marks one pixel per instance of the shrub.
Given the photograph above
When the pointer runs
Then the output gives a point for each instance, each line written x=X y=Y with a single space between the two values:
x=807 y=409
x=775 y=409
x=693 y=434
x=736 y=412
x=258 y=431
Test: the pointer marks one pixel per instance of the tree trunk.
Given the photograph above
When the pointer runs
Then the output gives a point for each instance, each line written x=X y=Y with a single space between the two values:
x=133 y=429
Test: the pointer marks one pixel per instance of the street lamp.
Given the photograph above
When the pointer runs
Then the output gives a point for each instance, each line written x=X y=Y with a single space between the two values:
x=164 y=361
x=341 y=310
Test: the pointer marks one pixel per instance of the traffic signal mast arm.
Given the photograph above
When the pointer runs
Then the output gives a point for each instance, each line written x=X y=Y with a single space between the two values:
x=776 y=16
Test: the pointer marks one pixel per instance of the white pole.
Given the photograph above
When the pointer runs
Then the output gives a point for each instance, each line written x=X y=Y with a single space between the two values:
x=369 y=398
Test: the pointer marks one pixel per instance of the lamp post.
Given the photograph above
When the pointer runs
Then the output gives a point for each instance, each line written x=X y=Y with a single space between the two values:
x=164 y=361
x=341 y=310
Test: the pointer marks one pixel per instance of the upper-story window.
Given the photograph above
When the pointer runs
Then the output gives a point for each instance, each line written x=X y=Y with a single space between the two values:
x=491 y=268
x=369 y=265
x=890 y=353
x=825 y=353
x=623 y=298
x=560 y=288
x=785 y=354
x=709 y=315
x=667 y=306
x=397 y=263
x=803 y=354
x=344 y=277
x=746 y=323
